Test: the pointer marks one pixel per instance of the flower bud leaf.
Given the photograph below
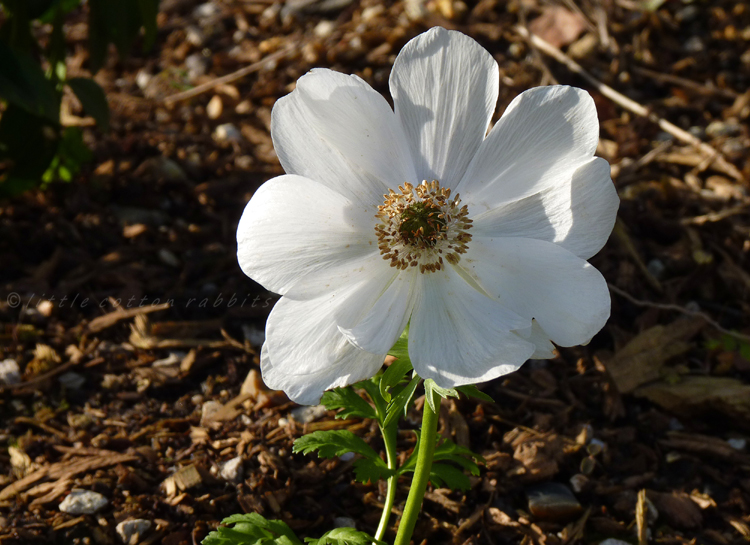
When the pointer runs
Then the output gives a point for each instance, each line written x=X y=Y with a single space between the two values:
x=344 y=536
x=431 y=389
x=352 y=404
x=329 y=444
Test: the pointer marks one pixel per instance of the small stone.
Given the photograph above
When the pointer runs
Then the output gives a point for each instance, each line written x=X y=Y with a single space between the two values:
x=253 y=335
x=72 y=380
x=168 y=258
x=723 y=128
x=10 y=373
x=231 y=471
x=173 y=358
x=83 y=502
x=371 y=13
x=579 y=482
x=244 y=107
x=307 y=414
x=127 y=529
x=253 y=384
x=344 y=522
x=324 y=29
x=552 y=501
x=737 y=443
x=346 y=456
x=516 y=50
x=206 y=11
x=227 y=133
x=142 y=79
x=613 y=541
x=196 y=65
x=209 y=409
x=194 y=36
x=694 y=45
x=214 y=107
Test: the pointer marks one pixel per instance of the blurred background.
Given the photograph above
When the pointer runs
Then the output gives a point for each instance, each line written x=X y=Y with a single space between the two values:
x=132 y=133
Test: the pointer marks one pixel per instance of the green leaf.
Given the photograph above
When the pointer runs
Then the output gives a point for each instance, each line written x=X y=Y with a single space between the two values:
x=72 y=153
x=367 y=470
x=400 y=403
x=373 y=390
x=447 y=476
x=400 y=350
x=450 y=451
x=61 y=6
x=251 y=529
x=93 y=100
x=447 y=451
x=329 y=444
x=393 y=376
x=23 y=83
x=344 y=536
x=348 y=400
x=472 y=391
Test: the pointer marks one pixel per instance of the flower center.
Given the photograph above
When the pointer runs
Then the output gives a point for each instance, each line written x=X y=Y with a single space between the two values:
x=421 y=225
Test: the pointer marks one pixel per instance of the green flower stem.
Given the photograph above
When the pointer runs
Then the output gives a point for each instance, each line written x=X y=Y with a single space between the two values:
x=421 y=472
x=389 y=438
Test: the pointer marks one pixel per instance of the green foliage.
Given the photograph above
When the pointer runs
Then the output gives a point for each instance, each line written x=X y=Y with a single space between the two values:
x=446 y=474
x=329 y=444
x=34 y=147
x=251 y=529
x=348 y=400
x=344 y=536
x=400 y=402
x=472 y=391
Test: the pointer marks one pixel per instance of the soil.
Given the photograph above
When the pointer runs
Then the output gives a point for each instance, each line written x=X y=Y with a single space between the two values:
x=137 y=336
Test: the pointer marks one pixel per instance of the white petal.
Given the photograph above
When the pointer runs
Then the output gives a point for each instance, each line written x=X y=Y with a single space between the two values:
x=357 y=121
x=379 y=330
x=444 y=87
x=302 y=340
x=294 y=227
x=537 y=279
x=544 y=347
x=338 y=131
x=576 y=214
x=351 y=366
x=542 y=138
x=460 y=336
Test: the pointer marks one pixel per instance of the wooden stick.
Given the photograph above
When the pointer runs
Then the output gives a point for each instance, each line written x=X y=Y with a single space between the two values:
x=234 y=76
x=711 y=154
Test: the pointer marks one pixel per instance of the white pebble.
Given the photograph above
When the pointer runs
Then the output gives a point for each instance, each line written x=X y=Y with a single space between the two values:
x=129 y=528
x=10 y=373
x=232 y=470
x=83 y=502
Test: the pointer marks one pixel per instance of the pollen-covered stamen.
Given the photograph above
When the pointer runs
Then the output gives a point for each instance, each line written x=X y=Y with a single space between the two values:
x=421 y=226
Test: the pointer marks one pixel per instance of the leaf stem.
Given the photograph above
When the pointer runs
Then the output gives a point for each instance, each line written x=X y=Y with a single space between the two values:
x=422 y=470
x=389 y=438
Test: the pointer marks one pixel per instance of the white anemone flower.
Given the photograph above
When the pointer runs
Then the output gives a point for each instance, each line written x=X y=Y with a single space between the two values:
x=417 y=215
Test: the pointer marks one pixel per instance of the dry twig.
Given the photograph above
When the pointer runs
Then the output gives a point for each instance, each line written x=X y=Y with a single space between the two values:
x=234 y=76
